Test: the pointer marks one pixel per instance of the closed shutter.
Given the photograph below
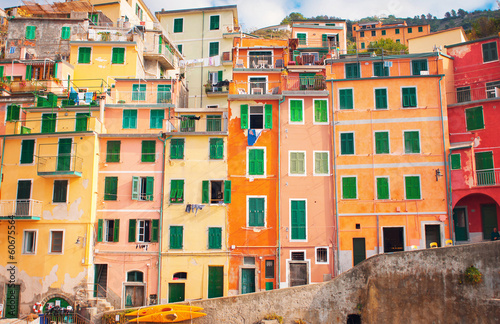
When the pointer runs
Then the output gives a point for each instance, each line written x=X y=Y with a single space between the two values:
x=205 y=187
x=474 y=118
x=214 y=22
x=381 y=143
x=27 y=151
x=131 y=230
x=155 y=230
x=295 y=110
x=129 y=119
x=116 y=230
x=345 y=99
x=99 y=230
x=29 y=72
x=113 y=151
x=30 y=32
x=455 y=162
x=256 y=211
x=65 y=33
x=268 y=121
x=298 y=217
x=244 y=116
x=118 y=56
x=349 y=188
x=321 y=163
x=320 y=112
x=380 y=98
x=412 y=142
x=135 y=188
x=256 y=162
x=148 y=151
x=176 y=233
x=215 y=238
x=84 y=55
x=150 y=188
x=382 y=188
x=412 y=185
x=347 y=143
x=110 y=188
x=227 y=191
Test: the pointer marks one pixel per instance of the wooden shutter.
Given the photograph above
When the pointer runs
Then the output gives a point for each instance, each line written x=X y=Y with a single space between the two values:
x=349 y=188
x=227 y=191
x=298 y=218
x=155 y=230
x=382 y=188
x=244 y=116
x=116 y=230
x=29 y=72
x=131 y=230
x=380 y=98
x=150 y=188
x=268 y=120
x=259 y=207
x=135 y=188
x=205 y=185
x=99 y=230
x=27 y=151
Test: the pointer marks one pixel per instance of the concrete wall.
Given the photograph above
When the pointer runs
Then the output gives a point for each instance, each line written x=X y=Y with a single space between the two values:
x=407 y=287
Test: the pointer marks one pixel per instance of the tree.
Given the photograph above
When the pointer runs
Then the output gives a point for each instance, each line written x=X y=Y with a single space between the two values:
x=388 y=46
x=291 y=17
x=461 y=13
x=447 y=15
x=429 y=16
x=453 y=13
x=422 y=16
x=484 y=27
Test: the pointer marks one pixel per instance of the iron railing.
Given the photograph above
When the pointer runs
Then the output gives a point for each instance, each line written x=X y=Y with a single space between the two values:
x=21 y=207
x=488 y=177
x=294 y=83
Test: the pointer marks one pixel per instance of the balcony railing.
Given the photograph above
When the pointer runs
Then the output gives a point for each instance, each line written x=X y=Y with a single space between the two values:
x=318 y=42
x=55 y=125
x=466 y=94
x=255 y=87
x=297 y=83
x=150 y=96
x=190 y=123
x=488 y=177
x=54 y=86
x=59 y=160
x=258 y=61
x=21 y=209
x=221 y=87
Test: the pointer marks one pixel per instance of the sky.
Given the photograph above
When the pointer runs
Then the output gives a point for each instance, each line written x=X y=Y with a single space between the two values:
x=261 y=13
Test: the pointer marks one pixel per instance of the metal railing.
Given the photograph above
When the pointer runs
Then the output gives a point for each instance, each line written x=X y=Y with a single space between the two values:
x=55 y=125
x=148 y=96
x=488 y=177
x=21 y=207
x=294 y=83
x=219 y=87
x=255 y=87
x=72 y=318
x=317 y=42
x=189 y=124
x=259 y=62
x=59 y=164
x=94 y=292
x=466 y=94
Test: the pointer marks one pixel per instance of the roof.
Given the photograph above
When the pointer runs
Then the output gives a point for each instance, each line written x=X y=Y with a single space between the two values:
x=440 y=31
x=353 y=58
x=317 y=20
x=219 y=8
x=472 y=41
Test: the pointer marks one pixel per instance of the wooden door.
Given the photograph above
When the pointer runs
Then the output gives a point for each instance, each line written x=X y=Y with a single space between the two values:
x=215 y=282
x=247 y=281
x=489 y=217
x=358 y=250
x=12 y=301
x=460 y=224
x=176 y=292
x=298 y=274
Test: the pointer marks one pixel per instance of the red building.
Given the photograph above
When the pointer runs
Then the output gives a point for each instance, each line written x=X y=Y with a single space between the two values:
x=473 y=118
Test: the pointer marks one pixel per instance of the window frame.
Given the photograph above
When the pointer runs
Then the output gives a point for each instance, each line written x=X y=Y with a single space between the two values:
x=375 y=141
x=135 y=118
x=35 y=241
x=50 y=251
x=463 y=94
x=213 y=119
x=33 y=154
x=352 y=99
x=419 y=183
x=353 y=144
x=111 y=154
x=388 y=187
x=31 y=34
x=316 y=255
x=174 y=25
x=384 y=70
x=358 y=75
x=419 y=141
x=109 y=196
x=63 y=33
x=386 y=98
x=170 y=245
x=140 y=92
x=342 y=186
x=248 y=162
x=483 y=52
x=219 y=246
x=248 y=211
x=459 y=161
x=297 y=122
x=416 y=97
x=291 y=239
x=181 y=202
x=474 y=126
x=327 y=122
x=209 y=48
x=249 y=89
x=147 y=156
x=138 y=194
x=177 y=140
x=301 y=33
x=154 y=121
x=79 y=59
x=327 y=164
x=210 y=144
x=290 y=164
x=106 y=230
x=113 y=55
x=50 y=121
x=137 y=229
x=54 y=191
x=420 y=29
x=210 y=22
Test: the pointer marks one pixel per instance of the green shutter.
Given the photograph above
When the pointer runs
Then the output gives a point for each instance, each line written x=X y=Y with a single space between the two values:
x=150 y=188
x=27 y=151
x=321 y=162
x=268 y=120
x=138 y=92
x=177 y=148
x=216 y=148
x=380 y=98
x=455 y=162
x=412 y=142
x=298 y=218
x=346 y=143
x=352 y=71
x=349 y=188
x=49 y=123
x=244 y=116
x=382 y=188
x=381 y=142
x=320 y=111
x=113 y=151
x=213 y=49
x=1 y=72
x=227 y=191
x=409 y=97
x=84 y=55
x=110 y=188
x=256 y=161
x=118 y=55
x=256 y=212
x=131 y=230
x=215 y=238
x=205 y=185
x=29 y=72
x=135 y=188
x=296 y=110
x=13 y=112
x=81 y=122
x=30 y=32
x=412 y=185
x=474 y=118
x=99 y=230
x=148 y=151
x=116 y=231
x=177 y=191
x=178 y=25
x=176 y=237
x=346 y=99
x=214 y=22
x=65 y=33
x=155 y=229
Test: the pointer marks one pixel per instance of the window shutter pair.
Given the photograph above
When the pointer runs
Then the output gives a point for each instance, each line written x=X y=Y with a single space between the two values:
x=205 y=192
x=100 y=230
x=136 y=188
x=132 y=225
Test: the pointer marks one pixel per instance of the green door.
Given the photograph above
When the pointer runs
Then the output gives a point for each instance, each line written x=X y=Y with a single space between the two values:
x=358 y=250
x=64 y=154
x=81 y=122
x=215 y=282
x=460 y=224
x=176 y=292
x=489 y=216
x=12 y=301
x=23 y=197
x=247 y=281
x=484 y=169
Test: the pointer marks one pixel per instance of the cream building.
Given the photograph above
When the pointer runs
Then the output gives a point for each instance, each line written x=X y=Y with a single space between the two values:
x=437 y=40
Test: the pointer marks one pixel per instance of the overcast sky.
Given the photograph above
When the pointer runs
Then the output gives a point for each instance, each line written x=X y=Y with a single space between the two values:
x=260 y=13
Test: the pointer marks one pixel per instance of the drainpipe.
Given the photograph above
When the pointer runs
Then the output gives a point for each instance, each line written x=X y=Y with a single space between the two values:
x=278 y=251
x=335 y=183
x=160 y=238
x=202 y=37
x=1 y=164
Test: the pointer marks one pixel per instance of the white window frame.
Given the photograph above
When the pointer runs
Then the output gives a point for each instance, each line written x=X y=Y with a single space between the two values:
x=419 y=141
x=342 y=187
x=248 y=212
x=21 y=151
x=138 y=228
x=375 y=98
x=353 y=101
x=173 y=24
x=314 y=164
x=264 y=91
x=316 y=255
x=327 y=112
x=50 y=241
x=35 y=231
x=381 y=248
x=419 y=181
x=209 y=21
x=353 y=141
x=248 y=175
x=124 y=56
x=67 y=192
x=290 y=164
x=290 y=221
x=389 y=142
x=388 y=187
x=482 y=53
x=105 y=229
x=208 y=49
x=290 y=112
x=401 y=92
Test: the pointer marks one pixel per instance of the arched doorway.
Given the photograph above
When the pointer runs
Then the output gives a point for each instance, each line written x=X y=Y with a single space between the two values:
x=474 y=217
x=134 y=289
x=53 y=301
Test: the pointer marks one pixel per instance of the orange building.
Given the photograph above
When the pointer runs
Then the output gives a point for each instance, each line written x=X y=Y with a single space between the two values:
x=390 y=144
x=253 y=154
x=400 y=32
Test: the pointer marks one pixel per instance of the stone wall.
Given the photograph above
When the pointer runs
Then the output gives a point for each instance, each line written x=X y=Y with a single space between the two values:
x=425 y=286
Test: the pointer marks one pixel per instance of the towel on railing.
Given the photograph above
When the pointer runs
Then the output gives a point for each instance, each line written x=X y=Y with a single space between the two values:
x=253 y=135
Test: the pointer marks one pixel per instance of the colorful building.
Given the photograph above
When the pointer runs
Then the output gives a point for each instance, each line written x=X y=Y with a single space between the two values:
x=389 y=160
x=436 y=41
x=400 y=32
x=474 y=153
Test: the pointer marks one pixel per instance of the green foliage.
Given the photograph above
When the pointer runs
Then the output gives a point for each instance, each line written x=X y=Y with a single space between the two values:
x=473 y=275
x=388 y=46
x=291 y=17
x=274 y=316
x=484 y=27
x=300 y=321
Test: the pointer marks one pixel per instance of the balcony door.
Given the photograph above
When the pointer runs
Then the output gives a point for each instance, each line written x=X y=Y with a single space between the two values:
x=64 y=154
x=23 y=197
x=485 y=169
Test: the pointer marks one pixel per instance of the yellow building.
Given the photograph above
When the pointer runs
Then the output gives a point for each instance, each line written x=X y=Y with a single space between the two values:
x=436 y=41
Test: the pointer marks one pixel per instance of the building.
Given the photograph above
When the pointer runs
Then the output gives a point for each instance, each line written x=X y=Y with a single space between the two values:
x=389 y=160
x=400 y=32
x=436 y=41
x=474 y=154
x=317 y=38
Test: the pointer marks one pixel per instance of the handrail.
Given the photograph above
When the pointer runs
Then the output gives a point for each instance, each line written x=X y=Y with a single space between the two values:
x=96 y=288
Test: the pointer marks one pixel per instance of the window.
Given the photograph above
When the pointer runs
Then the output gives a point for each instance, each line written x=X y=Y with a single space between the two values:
x=380 y=70
x=138 y=92
x=256 y=164
x=412 y=142
x=214 y=123
x=129 y=118
x=362 y=45
x=118 y=55
x=463 y=94
x=321 y=255
x=362 y=34
x=456 y=164
x=60 y=191
x=214 y=22
x=474 y=118
x=142 y=188
x=94 y=18
x=346 y=143
x=256 y=211
x=418 y=66
x=420 y=29
x=176 y=191
x=216 y=148
x=156 y=117
x=110 y=188
x=82 y=122
x=148 y=152
x=296 y=111
x=135 y=276
x=179 y=48
x=412 y=187
x=492 y=89
x=346 y=99
x=65 y=33
x=178 y=25
x=490 y=52
x=320 y=111
x=84 y=55
x=383 y=32
x=177 y=149
x=49 y=123
x=215 y=237
x=383 y=188
x=216 y=192
x=27 y=151
x=410 y=30
x=302 y=38
x=352 y=71
x=258 y=85
x=349 y=188
x=380 y=98
x=164 y=94
x=56 y=241
x=108 y=230
x=30 y=32
x=298 y=220
x=179 y=275
x=187 y=123
x=298 y=163
x=409 y=97
x=138 y=11
x=269 y=273
x=374 y=33
x=249 y=260
x=213 y=49
x=176 y=237
x=398 y=41
x=321 y=163
x=113 y=151
x=29 y=242
x=13 y=112
x=143 y=230
x=298 y=256
x=397 y=31
x=382 y=143
x=259 y=117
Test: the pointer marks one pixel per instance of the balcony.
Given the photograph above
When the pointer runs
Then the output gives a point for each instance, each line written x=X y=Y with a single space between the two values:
x=146 y=97
x=22 y=209
x=305 y=83
x=161 y=54
x=226 y=58
x=465 y=94
x=59 y=160
x=220 y=88
x=260 y=62
x=256 y=87
x=488 y=177
x=48 y=125
x=15 y=87
x=318 y=43
x=196 y=124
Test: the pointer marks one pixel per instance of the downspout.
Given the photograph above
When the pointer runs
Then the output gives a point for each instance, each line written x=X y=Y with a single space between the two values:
x=160 y=238
x=278 y=252
x=1 y=165
x=335 y=183
x=202 y=37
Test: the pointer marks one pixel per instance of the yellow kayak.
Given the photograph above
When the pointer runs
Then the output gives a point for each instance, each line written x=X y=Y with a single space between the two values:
x=163 y=308
x=168 y=317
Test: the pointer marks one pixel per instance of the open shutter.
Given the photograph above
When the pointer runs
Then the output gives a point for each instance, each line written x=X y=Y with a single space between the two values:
x=227 y=191
x=180 y=190
x=244 y=116
x=149 y=188
x=155 y=230
x=268 y=116
x=204 y=191
x=219 y=148
x=29 y=72
x=99 y=230
x=131 y=230
x=413 y=97
x=135 y=188
x=116 y=231
x=251 y=211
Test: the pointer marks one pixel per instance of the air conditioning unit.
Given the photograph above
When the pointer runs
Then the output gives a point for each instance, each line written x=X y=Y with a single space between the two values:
x=497 y=92
x=388 y=64
x=424 y=72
